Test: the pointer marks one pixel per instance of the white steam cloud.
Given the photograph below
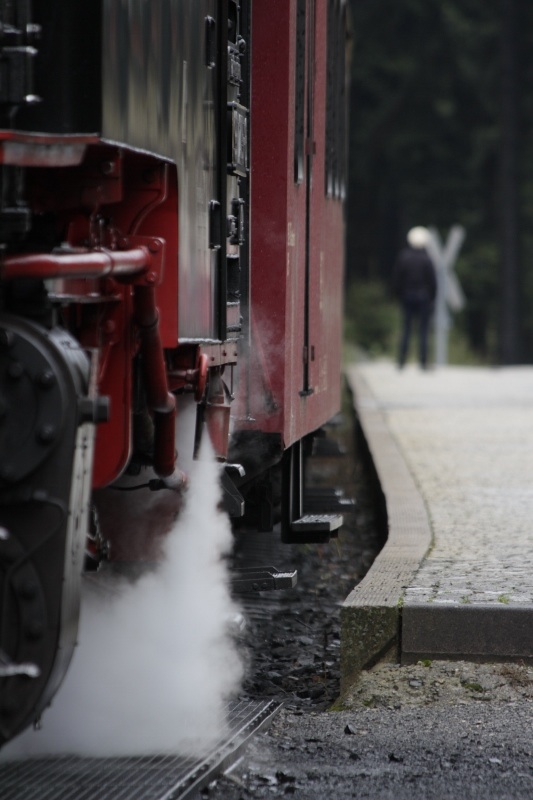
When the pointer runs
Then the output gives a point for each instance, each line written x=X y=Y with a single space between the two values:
x=156 y=663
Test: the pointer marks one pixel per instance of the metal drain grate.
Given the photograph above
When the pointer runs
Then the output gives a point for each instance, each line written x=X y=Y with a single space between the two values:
x=158 y=777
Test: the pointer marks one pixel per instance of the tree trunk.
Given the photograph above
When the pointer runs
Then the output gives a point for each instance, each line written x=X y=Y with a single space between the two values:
x=509 y=344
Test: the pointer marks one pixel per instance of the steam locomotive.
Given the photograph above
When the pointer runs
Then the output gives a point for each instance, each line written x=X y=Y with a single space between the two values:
x=171 y=236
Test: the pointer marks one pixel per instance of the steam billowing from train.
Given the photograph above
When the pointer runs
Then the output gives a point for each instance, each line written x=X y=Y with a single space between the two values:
x=157 y=662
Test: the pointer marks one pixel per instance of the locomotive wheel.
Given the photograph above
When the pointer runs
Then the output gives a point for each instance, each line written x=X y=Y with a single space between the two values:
x=23 y=603
x=46 y=446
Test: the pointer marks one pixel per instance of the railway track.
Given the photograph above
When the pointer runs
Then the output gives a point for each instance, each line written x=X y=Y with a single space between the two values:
x=292 y=640
x=154 y=777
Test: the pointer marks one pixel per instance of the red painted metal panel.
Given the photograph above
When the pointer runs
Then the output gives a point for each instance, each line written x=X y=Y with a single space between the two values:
x=279 y=208
x=326 y=251
x=272 y=121
x=109 y=207
x=113 y=438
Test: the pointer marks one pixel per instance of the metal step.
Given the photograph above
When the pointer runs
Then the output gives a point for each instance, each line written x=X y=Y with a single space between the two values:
x=156 y=777
x=315 y=527
x=258 y=579
x=321 y=500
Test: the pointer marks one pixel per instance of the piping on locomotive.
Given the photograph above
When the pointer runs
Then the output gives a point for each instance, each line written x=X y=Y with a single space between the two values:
x=166 y=235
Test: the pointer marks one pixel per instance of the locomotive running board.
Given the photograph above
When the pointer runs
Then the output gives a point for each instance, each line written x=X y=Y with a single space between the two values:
x=156 y=777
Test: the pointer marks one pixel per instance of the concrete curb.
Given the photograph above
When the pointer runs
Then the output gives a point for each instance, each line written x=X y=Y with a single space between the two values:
x=371 y=614
x=481 y=632
x=379 y=614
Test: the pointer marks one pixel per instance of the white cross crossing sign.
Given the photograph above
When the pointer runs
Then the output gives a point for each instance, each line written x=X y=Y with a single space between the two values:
x=449 y=293
x=444 y=258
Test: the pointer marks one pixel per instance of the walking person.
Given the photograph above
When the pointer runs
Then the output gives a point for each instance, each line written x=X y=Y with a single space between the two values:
x=415 y=284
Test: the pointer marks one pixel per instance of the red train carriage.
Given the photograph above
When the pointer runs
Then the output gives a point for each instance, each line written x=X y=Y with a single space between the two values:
x=297 y=241
x=171 y=235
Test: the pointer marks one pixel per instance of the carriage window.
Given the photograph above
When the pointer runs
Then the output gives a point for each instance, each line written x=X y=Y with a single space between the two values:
x=335 y=155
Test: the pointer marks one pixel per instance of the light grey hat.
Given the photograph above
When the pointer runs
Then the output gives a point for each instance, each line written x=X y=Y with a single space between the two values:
x=418 y=237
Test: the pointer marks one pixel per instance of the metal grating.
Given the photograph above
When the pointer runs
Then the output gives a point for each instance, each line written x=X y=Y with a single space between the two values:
x=157 y=777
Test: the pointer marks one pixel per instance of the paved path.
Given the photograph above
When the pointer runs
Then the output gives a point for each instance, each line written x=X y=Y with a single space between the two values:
x=453 y=449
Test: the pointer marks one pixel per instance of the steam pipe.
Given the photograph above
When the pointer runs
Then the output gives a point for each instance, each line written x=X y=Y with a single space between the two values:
x=158 y=397
x=118 y=263
x=85 y=264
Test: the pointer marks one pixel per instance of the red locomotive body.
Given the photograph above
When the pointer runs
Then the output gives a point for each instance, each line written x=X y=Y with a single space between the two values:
x=168 y=237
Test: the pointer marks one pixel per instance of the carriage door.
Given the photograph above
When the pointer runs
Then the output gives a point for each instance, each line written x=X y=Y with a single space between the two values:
x=304 y=149
x=229 y=211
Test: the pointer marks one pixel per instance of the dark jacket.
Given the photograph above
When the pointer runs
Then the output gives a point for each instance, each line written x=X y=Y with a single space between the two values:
x=414 y=276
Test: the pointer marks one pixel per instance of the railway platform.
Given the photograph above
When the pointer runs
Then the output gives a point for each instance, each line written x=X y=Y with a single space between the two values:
x=453 y=452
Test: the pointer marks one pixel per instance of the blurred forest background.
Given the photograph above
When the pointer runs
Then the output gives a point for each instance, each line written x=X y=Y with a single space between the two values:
x=441 y=132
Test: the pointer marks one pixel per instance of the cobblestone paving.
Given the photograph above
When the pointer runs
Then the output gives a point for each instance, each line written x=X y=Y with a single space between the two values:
x=467 y=436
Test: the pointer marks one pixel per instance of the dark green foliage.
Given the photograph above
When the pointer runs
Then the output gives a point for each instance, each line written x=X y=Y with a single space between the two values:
x=427 y=126
x=371 y=318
